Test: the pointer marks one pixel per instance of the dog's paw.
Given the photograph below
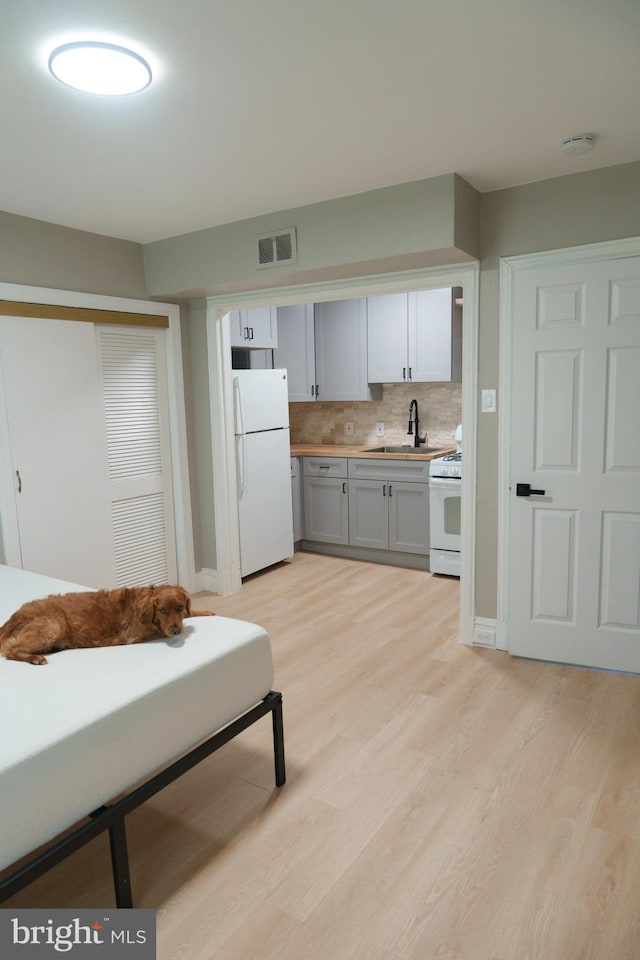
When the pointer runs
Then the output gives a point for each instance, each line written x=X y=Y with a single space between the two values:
x=38 y=660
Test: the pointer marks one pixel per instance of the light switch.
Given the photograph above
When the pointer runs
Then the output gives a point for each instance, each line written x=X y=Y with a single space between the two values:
x=488 y=401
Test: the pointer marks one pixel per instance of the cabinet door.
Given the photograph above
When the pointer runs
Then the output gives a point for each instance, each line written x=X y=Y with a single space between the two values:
x=430 y=335
x=341 y=350
x=296 y=350
x=368 y=514
x=255 y=327
x=409 y=517
x=326 y=510
x=237 y=331
x=387 y=343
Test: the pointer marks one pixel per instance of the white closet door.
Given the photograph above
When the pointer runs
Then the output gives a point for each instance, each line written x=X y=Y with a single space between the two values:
x=53 y=448
x=133 y=371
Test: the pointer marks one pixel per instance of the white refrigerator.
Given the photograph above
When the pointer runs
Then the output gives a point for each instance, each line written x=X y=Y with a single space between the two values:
x=263 y=466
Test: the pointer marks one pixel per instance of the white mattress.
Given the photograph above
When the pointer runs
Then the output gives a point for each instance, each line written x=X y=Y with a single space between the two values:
x=91 y=723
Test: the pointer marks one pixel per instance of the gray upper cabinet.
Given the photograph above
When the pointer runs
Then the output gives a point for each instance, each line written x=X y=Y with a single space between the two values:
x=414 y=337
x=256 y=327
x=341 y=350
x=296 y=351
x=323 y=346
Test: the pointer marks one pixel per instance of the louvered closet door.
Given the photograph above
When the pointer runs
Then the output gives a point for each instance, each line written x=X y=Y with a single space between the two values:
x=132 y=362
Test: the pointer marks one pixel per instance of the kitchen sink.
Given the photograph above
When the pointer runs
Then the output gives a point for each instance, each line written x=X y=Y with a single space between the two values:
x=402 y=449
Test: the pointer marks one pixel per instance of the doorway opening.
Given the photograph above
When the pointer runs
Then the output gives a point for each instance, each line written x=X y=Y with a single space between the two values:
x=219 y=343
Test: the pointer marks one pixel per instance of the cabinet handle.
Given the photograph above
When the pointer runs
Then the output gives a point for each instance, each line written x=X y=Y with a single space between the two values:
x=313 y=389
x=384 y=489
x=409 y=373
x=317 y=391
x=390 y=489
x=404 y=373
x=250 y=333
x=344 y=486
x=245 y=333
x=19 y=481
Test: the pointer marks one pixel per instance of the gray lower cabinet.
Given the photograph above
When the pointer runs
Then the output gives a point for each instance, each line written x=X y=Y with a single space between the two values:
x=296 y=499
x=409 y=517
x=389 y=515
x=367 y=505
x=326 y=508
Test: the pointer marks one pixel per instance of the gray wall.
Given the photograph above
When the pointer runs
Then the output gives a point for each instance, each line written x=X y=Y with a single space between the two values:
x=42 y=254
x=419 y=224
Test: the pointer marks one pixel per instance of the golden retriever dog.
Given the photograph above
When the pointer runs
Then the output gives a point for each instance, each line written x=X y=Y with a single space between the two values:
x=101 y=618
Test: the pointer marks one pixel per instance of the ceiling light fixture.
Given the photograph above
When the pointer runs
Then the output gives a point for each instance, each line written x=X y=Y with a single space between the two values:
x=96 y=67
x=578 y=143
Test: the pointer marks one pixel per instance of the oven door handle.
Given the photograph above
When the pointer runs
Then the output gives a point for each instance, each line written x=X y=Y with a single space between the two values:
x=445 y=483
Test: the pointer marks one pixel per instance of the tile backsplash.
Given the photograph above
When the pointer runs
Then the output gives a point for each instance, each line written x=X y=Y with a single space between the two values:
x=439 y=407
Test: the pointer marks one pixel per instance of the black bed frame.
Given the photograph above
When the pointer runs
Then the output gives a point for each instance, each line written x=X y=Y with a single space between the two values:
x=111 y=817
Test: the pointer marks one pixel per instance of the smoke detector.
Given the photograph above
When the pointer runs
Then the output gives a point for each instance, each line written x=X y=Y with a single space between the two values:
x=578 y=143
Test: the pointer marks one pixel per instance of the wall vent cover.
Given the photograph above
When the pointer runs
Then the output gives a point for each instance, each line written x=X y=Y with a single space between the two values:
x=278 y=248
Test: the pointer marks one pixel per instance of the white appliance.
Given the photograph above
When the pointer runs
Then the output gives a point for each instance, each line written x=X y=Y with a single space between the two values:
x=263 y=465
x=445 y=501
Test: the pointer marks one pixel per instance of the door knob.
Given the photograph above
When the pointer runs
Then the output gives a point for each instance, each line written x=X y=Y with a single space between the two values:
x=524 y=490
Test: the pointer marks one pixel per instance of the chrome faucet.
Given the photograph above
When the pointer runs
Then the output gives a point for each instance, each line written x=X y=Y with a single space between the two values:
x=414 y=423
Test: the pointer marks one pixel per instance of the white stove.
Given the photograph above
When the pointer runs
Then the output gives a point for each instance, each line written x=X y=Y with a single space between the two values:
x=450 y=466
x=445 y=500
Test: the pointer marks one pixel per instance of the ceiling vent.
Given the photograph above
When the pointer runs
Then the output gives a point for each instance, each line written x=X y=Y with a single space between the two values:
x=275 y=249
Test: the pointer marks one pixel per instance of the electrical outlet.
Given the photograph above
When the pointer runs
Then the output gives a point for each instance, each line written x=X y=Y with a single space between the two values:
x=379 y=429
x=348 y=428
x=484 y=636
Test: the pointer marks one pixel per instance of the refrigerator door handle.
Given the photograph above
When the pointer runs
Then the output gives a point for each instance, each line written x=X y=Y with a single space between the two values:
x=240 y=463
x=237 y=406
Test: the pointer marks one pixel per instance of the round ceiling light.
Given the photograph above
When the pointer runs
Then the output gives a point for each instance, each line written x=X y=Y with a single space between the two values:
x=578 y=143
x=97 y=67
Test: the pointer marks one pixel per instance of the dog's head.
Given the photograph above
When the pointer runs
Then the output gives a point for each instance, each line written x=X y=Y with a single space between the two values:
x=171 y=605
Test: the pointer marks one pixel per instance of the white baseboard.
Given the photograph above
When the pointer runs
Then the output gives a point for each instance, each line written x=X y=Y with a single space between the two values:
x=206 y=579
x=484 y=632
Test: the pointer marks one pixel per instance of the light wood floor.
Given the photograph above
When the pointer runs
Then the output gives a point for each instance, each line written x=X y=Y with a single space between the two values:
x=441 y=801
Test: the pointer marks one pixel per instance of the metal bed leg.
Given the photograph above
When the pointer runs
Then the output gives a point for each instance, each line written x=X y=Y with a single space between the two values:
x=278 y=742
x=120 y=864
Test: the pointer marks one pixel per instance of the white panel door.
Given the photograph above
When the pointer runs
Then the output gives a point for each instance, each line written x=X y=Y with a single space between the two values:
x=56 y=444
x=574 y=550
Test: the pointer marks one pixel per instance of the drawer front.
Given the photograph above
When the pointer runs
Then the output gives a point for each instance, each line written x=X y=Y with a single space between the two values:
x=325 y=466
x=415 y=470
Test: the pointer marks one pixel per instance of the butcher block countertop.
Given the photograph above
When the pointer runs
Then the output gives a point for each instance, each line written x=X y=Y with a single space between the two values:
x=367 y=451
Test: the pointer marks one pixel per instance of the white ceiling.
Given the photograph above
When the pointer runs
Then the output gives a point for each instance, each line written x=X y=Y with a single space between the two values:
x=261 y=105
